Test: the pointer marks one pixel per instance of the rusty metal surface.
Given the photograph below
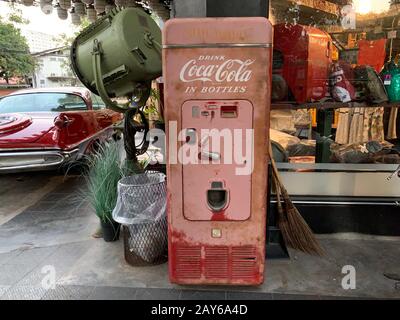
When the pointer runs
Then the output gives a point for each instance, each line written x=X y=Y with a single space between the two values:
x=237 y=257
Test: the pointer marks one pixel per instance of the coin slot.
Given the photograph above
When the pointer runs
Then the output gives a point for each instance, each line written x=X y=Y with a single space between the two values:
x=191 y=136
x=196 y=112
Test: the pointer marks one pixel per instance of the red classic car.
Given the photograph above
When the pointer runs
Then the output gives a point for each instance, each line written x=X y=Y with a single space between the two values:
x=47 y=128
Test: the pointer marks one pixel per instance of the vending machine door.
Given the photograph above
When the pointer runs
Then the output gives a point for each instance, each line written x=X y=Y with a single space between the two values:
x=217 y=175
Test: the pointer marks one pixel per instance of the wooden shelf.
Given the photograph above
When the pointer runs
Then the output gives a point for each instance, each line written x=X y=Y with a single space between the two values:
x=330 y=105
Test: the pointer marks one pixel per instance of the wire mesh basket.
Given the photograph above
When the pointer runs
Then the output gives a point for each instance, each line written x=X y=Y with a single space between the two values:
x=146 y=244
x=141 y=208
x=141 y=198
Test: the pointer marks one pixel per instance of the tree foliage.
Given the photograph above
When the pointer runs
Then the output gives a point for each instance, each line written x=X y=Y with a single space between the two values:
x=15 y=59
x=66 y=41
x=16 y=15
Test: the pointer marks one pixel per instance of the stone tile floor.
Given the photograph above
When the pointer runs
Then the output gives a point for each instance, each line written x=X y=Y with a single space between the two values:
x=46 y=222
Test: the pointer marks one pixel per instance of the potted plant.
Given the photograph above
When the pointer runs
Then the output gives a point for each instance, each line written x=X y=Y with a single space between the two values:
x=153 y=110
x=103 y=176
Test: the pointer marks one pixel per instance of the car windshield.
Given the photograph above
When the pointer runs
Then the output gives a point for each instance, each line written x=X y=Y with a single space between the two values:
x=42 y=102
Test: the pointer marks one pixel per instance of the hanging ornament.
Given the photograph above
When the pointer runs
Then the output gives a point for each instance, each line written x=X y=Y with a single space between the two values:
x=46 y=6
x=62 y=13
x=99 y=5
x=27 y=3
x=44 y=2
x=109 y=7
x=47 y=9
x=91 y=13
x=79 y=8
x=65 y=4
x=75 y=17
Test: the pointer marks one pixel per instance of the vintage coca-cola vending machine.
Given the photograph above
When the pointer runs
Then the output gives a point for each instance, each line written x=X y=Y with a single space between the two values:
x=217 y=77
x=303 y=56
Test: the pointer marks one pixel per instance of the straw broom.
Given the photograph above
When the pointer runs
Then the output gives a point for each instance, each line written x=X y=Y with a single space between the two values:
x=296 y=233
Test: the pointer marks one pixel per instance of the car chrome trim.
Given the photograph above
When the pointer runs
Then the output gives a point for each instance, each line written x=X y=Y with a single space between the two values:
x=7 y=119
x=62 y=156
x=29 y=149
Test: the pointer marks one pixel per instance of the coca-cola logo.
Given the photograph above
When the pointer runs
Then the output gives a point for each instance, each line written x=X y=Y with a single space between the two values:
x=228 y=70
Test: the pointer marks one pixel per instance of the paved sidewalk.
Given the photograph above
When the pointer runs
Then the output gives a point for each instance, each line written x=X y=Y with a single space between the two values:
x=53 y=228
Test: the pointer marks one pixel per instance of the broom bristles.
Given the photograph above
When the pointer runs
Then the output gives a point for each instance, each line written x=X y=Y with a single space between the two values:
x=295 y=231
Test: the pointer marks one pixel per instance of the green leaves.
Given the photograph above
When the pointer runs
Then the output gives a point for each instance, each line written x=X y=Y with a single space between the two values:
x=105 y=170
x=15 y=59
x=151 y=109
x=103 y=177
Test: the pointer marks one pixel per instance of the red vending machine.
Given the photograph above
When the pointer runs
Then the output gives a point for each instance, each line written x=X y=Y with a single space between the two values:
x=302 y=56
x=217 y=77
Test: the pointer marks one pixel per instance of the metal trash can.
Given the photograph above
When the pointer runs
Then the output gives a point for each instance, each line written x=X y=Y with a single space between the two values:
x=141 y=209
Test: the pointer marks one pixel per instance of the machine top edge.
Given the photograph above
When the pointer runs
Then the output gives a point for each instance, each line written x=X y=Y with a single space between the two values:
x=218 y=45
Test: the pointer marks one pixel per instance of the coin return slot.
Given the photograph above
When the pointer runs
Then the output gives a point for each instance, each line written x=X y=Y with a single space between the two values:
x=229 y=112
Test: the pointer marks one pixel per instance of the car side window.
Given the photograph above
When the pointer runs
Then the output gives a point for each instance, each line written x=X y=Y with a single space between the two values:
x=72 y=102
x=42 y=102
x=97 y=102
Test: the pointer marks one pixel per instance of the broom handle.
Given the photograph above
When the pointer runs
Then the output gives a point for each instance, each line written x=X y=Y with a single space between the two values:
x=273 y=164
x=278 y=184
x=278 y=195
